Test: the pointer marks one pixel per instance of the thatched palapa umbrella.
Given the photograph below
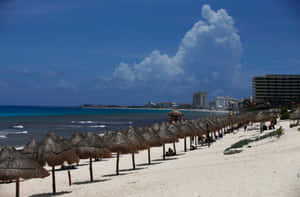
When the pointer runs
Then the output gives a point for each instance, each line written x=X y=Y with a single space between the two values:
x=14 y=166
x=89 y=147
x=119 y=143
x=165 y=135
x=296 y=114
x=137 y=140
x=151 y=138
x=54 y=152
x=30 y=149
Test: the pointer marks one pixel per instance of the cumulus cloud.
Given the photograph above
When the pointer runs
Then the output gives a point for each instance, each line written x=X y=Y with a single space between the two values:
x=208 y=54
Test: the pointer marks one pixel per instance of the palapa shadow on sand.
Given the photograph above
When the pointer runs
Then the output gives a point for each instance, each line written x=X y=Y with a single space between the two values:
x=89 y=182
x=114 y=174
x=51 y=194
x=147 y=164
x=100 y=160
x=179 y=154
x=65 y=169
x=167 y=159
x=130 y=169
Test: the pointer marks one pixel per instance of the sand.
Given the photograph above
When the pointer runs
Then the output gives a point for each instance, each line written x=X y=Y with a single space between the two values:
x=268 y=168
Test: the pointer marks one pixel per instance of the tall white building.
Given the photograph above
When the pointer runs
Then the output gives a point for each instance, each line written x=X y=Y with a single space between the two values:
x=226 y=102
x=200 y=99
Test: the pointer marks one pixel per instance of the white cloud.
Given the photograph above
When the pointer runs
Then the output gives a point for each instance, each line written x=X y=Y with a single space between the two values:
x=215 y=37
x=208 y=53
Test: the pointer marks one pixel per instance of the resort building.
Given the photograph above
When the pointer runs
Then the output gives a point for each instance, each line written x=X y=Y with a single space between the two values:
x=200 y=99
x=276 y=89
x=225 y=102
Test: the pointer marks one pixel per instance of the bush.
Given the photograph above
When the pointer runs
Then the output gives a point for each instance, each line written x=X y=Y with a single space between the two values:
x=283 y=110
x=285 y=116
x=244 y=142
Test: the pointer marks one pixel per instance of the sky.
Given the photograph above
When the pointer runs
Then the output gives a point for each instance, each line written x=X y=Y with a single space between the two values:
x=73 y=52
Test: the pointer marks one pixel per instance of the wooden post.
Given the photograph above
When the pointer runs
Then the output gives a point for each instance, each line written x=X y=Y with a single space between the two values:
x=164 y=152
x=133 y=161
x=18 y=187
x=208 y=137
x=91 y=170
x=174 y=147
x=149 y=156
x=117 y=165
x=184 y=143
x=53 y=180
x=70 y=180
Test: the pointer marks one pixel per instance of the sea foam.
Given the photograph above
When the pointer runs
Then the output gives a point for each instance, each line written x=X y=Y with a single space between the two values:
x=85 y=122
x=18 y=127
x=97 y=126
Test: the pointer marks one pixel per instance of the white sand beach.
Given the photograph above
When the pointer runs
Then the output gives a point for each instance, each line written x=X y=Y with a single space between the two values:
x=268 y=168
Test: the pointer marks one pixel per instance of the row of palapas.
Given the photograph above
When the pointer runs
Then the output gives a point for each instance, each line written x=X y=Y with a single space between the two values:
x=54 y=150
x=295 y=118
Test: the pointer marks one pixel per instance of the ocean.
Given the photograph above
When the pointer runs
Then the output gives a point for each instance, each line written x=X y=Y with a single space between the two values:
x=20 y=124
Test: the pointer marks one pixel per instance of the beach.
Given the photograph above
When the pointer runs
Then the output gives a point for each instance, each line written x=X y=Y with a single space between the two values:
x=269 y=168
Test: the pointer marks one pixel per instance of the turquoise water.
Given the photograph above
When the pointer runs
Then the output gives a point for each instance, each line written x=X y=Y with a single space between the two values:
x=9 y=111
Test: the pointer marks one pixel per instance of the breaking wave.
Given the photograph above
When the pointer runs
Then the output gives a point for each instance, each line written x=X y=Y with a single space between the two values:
x=97 y=126
x=18 y=127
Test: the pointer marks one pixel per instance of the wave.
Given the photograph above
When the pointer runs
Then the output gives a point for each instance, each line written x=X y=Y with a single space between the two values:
x=18 y=127
x=97 y=126
x=6 y=132
x=3 y=136
x=21 y=132
x=83 y=122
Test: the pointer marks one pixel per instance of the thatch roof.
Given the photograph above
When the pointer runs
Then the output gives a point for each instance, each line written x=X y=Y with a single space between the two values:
x=151 y=136
x=89 y=146
x=14 y=165
x=173 y=128
x=296 y=114
x=165 y=135
x=54 y=151
x=184 y=129
x=136 y=138
x=175 y=113
x=263 y=116
x=118 y=142
x=30 y=149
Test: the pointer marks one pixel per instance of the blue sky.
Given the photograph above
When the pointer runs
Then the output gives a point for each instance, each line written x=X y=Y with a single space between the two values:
x=71 y=52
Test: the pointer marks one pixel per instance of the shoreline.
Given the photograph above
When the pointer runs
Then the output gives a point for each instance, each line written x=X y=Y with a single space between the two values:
x=162 y=109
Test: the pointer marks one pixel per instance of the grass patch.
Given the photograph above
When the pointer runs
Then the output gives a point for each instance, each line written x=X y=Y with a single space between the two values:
x=277 y=133
x=298 y=129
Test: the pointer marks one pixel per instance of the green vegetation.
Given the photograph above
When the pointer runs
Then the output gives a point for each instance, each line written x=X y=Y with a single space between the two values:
x=284 y=114
x=298 y=129
x=277 y=133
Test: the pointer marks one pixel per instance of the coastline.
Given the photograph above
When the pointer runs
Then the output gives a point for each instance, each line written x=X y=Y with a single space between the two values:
x=162 y=109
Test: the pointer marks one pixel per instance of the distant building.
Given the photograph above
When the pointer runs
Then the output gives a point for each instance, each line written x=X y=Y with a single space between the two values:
x=166 y=105
x=226 y=102
x=184 y=106
x=200 y=99
x=276 y=89
x=212 y=104
x=151 y=104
